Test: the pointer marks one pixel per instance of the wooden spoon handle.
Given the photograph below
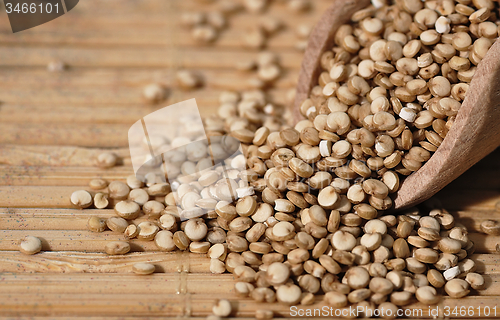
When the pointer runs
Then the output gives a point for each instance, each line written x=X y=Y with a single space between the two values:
x=475 y=133
x=320 y=40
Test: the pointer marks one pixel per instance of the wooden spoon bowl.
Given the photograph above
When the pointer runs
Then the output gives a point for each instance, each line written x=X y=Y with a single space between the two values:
x=474 y=134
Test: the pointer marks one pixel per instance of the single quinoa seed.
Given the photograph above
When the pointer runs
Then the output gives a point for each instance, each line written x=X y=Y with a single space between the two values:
x=30 y=245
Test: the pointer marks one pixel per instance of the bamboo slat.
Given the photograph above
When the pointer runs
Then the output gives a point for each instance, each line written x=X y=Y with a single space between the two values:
x=152 y=38
x=57 y=176
x=473 y=219
x=49 y=219
x=68 y=240
x=96 y=135
x=164 y=14
x=63 y=262
x=201 y=57
x=75 y=114
x=77 y=96
x=102 y=304
x=35 y=197
x=108 y=78
x=278 y=6
x=58 y=219
x=207 y=100
x=90 y=135
x=160 y=283
x=53 y=219
x=33 y=158
x=486 y=263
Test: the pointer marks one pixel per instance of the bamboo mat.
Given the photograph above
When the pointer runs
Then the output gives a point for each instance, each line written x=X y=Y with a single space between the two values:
x=52 y=125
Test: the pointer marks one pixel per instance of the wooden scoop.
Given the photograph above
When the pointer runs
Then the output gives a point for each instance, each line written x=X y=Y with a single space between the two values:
x=475 y=133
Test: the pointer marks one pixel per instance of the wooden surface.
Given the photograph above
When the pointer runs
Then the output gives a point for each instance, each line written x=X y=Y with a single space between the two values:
x=52 y=125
